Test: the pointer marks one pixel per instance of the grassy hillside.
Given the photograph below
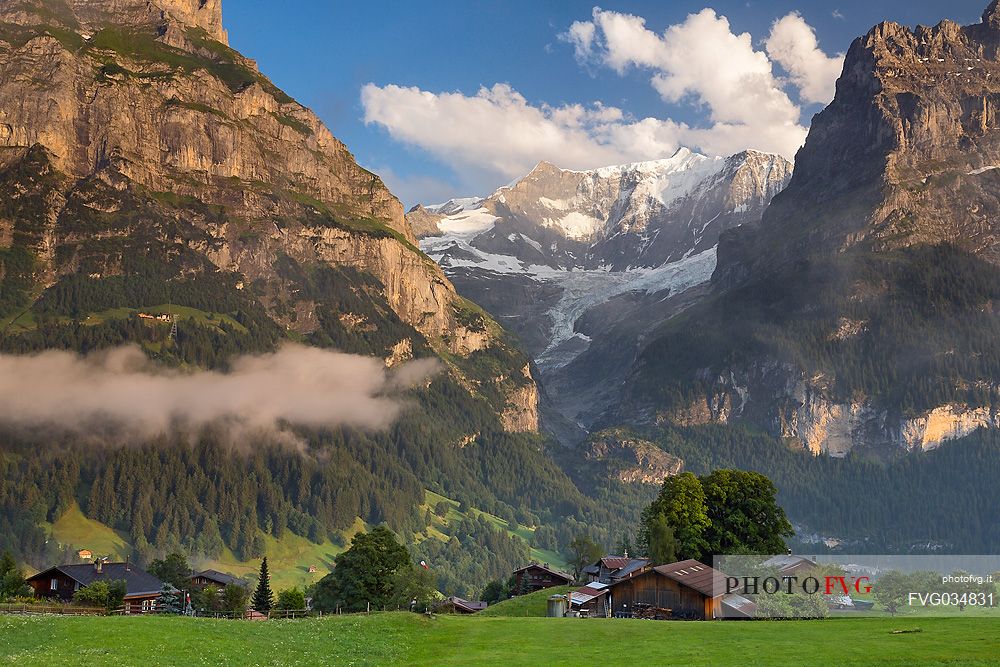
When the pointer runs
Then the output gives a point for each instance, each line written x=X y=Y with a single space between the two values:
x=73 y=528
x=532 y=604
x=455 y=514
x=288 y=558
x=407 y=639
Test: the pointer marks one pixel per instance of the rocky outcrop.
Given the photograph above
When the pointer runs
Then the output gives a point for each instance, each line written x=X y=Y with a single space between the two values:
x=631 y=460
x=520 y=414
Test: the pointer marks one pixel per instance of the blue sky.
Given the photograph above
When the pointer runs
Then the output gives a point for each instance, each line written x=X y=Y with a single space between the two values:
x=618 y=88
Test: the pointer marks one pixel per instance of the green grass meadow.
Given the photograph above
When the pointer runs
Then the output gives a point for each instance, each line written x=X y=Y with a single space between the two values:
x=409 y=639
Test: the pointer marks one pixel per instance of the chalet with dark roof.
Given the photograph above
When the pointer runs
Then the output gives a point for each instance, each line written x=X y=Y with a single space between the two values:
x=142 y=590
x=535 y=577
x=610 y=569
x=206 y=578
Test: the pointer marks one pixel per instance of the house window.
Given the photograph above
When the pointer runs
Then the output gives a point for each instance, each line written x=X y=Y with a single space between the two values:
x=54 y=585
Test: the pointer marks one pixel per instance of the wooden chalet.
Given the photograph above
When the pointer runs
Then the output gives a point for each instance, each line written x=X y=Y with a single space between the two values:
x=206 y=578
x=610 y=569
x=142 y=590
x=534 y=577
x=457 y=605
x=684 y=590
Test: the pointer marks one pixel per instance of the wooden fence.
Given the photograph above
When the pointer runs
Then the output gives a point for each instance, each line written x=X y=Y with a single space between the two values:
x=70 y=610
x=61 y=610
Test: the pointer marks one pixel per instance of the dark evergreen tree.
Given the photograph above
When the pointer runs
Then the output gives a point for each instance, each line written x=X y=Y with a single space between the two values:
x=263 y=598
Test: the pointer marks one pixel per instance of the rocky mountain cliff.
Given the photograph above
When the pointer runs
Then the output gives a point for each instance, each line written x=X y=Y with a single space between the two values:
x=582 y=264
x=903 y=156
x=861 y=310
x=134 y=141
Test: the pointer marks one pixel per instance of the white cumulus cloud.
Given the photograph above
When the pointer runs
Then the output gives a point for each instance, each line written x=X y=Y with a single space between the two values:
x=793 y=45
x=497 y=134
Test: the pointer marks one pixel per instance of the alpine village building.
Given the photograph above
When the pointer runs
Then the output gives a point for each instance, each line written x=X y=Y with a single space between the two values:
x=59 y=583
x=537 y=577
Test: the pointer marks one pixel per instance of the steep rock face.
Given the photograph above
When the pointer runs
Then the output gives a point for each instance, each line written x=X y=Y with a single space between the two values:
x=801 y=411
x=160 y=146
x=861 y=310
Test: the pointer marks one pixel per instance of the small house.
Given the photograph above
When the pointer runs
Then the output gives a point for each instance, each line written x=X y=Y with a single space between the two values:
x=591 y=601
x=789 y=565
x=142 y=590
x=85 y=554
x=206 y=578
x=534 y=577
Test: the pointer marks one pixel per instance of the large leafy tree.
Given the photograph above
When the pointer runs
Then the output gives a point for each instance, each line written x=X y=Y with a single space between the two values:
x=234 y=599
x=682 y=503
x=744 y=514
x=367 y=573
x=728 y=511
x=291 y=598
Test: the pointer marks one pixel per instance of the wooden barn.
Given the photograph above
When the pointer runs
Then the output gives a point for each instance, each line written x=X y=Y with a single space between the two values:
x=536 y=577
x=684 y=590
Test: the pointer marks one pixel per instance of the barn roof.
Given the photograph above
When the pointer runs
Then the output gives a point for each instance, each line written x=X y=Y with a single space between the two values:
x=737 y=606
x=587 y=593
x=693 y=574
x=138 y=582
x=467 y=605
x=619 y=566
